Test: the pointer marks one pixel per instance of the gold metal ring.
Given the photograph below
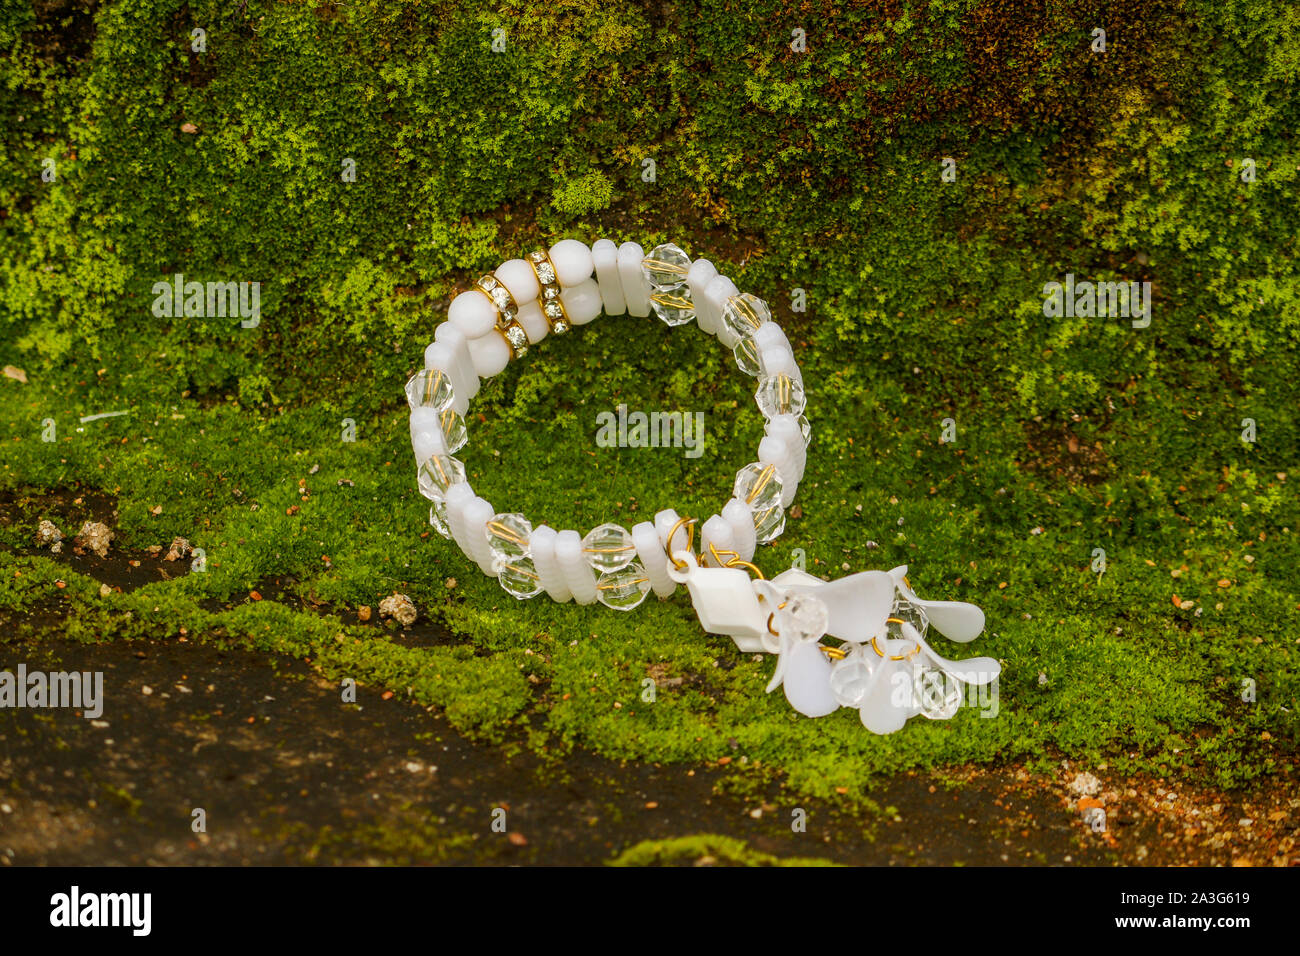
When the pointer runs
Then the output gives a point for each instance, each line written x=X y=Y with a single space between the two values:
x=916 y=649
x=690 y=540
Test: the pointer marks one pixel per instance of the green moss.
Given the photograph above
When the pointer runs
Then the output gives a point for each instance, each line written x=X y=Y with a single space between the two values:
x=705 y=850
x=815 y=171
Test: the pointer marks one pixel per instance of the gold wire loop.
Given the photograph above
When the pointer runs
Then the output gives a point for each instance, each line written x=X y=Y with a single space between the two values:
x=735 y=562
x=690 y=540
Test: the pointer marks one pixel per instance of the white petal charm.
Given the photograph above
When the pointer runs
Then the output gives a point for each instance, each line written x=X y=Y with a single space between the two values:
x=955 y=620
x=889 y=693
x=857 y=606
x=807 y=680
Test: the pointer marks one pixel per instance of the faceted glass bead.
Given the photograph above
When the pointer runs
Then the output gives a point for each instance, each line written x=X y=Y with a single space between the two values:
x=746 y=353
x=673 y=308
x=780 y=395
x=937 y=694
x=758 y=486
x=805 y=427
x=665 y=268
x=744 y=313
x=623 y=589
x=769 y=523
x=849 y=678
x=914 y=614
x=430 y=387
x=437 y=474
x=507 y=536
x=453 y=430
x=609 y=547
x=518 y=577
x=803 y=618
x=438 y=517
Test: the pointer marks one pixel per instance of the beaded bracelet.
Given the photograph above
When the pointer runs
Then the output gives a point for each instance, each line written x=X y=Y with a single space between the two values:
x=884 y=668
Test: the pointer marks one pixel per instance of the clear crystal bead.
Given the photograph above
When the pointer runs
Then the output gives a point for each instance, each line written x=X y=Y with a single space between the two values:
x=507 y=536
x=438 y=517
x=938 y=695
x=849 y=678
x=758 y=486
x=437 y=473
x=609 y=547
x=769 y=523
x=744 y=313
x=803 y=617
x=665 y=268
x=518 y=577
x=453 y=430
x=746 y=353
x=623 y=589
x=429 y=387
x=914 y=614
x=805 y=428
x=673 y=308
x=780 y=395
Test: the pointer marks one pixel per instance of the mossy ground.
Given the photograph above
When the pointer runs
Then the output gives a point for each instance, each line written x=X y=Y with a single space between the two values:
x=818 y=172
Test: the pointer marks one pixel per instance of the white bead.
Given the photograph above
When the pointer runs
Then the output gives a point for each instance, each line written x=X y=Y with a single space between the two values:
x=457 y=500
x=716 y=532
x=428 y=442
x=518 y=276
x=774 y=451
x=577 y=572
x=441 y=356
x=703 y=272
x=477 y=514
x=425 y=418
x=717 y=292
x=741 y=520
x=582 y=301
x=473 y=312
x=542 y=544
x=490 y=354
x=786 y=428
x=534 y=323
x=775 y=359
x=449 y=334
x=664 y=521
x=636 y=291
x=653 y=559
x=769 y=335
x=604 y=254
x=572 y=261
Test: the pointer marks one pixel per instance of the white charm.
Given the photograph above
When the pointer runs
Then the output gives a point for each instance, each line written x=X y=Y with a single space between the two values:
x=888 y=671
x=724 y=601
